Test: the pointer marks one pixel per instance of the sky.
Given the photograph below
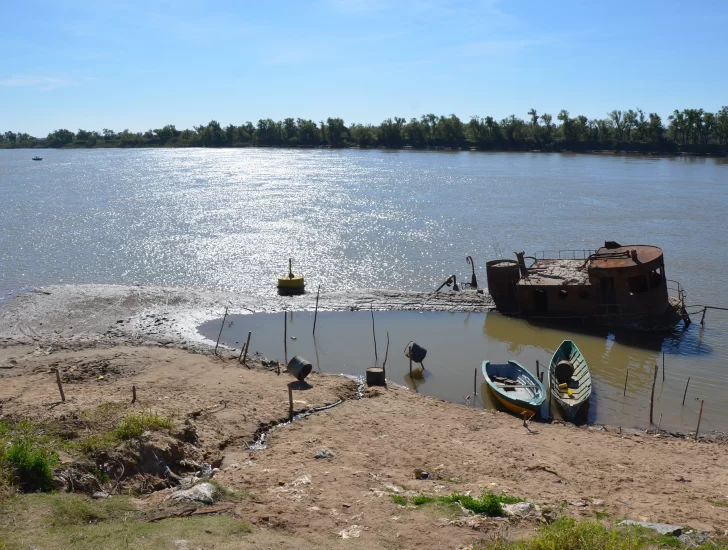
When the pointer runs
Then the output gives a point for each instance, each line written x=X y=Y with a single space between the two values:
x=142 y=64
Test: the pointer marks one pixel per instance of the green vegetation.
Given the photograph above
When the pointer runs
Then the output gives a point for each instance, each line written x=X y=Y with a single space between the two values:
x=74 y=521
x=135 y=424
x=29 y=450
x=690 y=130
x=489 y=504
x=568 y=534
x=27 y=456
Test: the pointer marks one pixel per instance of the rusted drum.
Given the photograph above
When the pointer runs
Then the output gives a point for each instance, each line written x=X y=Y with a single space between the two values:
x=299 y=368
x=375 y=377
x=417 y=353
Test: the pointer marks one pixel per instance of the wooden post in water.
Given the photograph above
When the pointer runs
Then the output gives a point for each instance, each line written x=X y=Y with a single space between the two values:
x=538 y=369
x=663 y=367
x=285 y=337
x=686 y=391
x=541 y=377
x=475 y=383
x=290 y=401
x=625 y=384
x=386 y=354
x=133 y=394
x=652 y=396
x=315 y=315
x=700 y=417
x=374 y=334
x=221 y=327
x=409 y=354
x=60 y=386
x=245 y=352
x=702 y=319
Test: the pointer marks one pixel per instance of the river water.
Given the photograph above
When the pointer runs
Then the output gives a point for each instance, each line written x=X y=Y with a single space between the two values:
x=230 y=219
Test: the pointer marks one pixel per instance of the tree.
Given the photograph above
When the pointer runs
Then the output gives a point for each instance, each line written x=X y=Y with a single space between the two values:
x=547 y=121
x=567 y=125
x=655 y=128
x=617 y=124
x=721 y=125
x=108 y=134
x=59 y=138
x=336 y=132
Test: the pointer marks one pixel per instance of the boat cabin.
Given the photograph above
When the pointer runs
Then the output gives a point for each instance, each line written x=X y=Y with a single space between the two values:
x=615 y=280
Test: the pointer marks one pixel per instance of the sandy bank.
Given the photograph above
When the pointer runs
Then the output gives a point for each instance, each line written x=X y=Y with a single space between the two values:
x=85 y=315
x=376 y=443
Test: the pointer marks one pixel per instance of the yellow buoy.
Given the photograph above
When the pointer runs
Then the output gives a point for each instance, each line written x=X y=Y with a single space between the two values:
x=291 y=284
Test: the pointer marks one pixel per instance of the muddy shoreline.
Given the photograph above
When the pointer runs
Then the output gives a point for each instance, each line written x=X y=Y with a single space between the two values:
x=77 y=317
x=65 y=316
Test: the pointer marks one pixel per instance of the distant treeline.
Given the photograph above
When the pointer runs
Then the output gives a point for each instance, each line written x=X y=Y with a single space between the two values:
x=690 y=130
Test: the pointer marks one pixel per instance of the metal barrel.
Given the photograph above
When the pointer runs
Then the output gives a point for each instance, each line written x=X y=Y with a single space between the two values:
x=418 y=353
x=299 y=368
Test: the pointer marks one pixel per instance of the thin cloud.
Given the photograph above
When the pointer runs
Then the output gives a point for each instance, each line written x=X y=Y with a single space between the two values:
x=43 y=83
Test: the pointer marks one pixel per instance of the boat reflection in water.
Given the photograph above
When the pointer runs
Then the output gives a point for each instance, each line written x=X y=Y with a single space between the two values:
x=458 y=343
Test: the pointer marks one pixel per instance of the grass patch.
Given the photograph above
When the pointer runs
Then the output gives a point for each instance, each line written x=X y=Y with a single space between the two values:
x=73 y=521
x=720 y=503
x=489 y=504
x=27 y=455
x=31 y=465
x=399 y=499
x=569 y=534
x=135 y=424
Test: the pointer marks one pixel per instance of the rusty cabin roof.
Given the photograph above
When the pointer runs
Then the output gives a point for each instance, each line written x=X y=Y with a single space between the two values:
x=622 y=257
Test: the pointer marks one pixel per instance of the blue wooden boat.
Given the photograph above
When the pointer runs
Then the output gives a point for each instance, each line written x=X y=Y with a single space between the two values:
x=570 y=379
x=514 y=387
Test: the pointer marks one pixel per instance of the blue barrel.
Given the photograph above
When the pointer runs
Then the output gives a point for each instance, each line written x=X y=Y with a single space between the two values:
x=299 y=368
x=417 y=353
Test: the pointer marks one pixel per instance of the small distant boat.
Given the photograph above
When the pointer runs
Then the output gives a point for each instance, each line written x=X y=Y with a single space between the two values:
x=37 y=158
x=570 y=379
x=291 y=284
x=516 y=388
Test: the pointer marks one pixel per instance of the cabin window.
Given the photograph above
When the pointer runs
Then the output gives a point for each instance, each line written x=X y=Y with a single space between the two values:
x=637 y=284
x=656 y=278
x=584 y=294
x=563 y=294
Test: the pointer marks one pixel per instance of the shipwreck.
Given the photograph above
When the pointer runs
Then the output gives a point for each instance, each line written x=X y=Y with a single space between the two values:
x=615 y=286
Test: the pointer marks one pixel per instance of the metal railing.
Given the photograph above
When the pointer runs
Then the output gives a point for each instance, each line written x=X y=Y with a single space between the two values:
x=563 y=254
x=675 y=290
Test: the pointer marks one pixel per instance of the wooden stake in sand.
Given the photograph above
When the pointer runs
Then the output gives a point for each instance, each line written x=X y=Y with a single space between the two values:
x=475 y=383
x=652 y=395
x=133 y=394
x=285 y=337
x=374 y=334
x=626 y=377
x=290 y=402
x=315 y=315
x=663 y=367
x=221 y=327
x=686 y=391
x=60 y=386
x=244 y=351
x=700 y=417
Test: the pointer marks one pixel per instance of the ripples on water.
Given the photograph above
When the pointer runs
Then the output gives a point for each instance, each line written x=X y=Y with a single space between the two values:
x=230 y=219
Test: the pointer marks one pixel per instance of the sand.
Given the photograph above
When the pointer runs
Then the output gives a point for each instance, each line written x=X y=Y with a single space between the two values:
x=377 y=441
